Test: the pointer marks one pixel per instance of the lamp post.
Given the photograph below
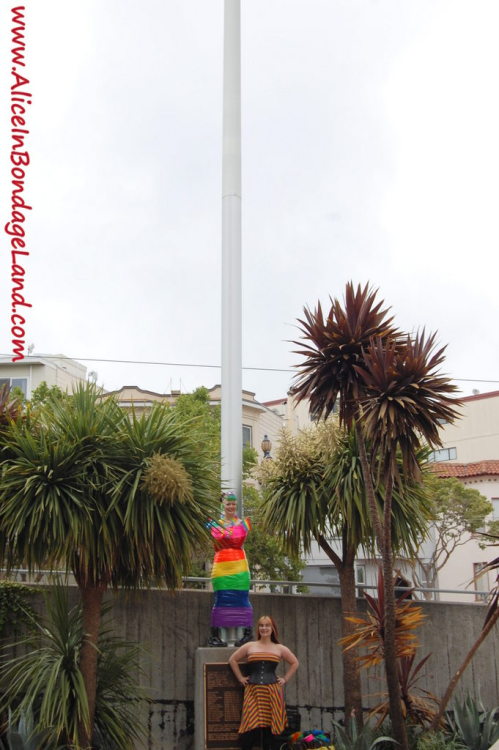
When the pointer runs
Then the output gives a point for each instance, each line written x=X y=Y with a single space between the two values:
x=266 y=447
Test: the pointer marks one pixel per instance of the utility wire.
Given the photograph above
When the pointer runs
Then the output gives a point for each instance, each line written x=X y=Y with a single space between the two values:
x=213 y=367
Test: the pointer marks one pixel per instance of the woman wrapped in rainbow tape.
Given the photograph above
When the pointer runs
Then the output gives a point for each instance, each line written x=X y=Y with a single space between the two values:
x=230 y=577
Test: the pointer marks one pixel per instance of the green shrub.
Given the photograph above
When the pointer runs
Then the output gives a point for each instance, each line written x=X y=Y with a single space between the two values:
x=47 y=679
x=437 y=741
x=16 y=613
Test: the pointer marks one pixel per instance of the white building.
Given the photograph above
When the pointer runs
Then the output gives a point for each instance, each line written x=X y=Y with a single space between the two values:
x=28 y=373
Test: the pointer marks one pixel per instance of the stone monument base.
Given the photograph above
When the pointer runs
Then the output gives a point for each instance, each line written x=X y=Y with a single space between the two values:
x=218 y=700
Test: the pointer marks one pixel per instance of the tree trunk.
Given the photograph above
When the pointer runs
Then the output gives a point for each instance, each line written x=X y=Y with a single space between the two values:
x=352 y=691
x=383 y=533
x=91 y=599
x=351 y=673
x=458 y=674
x=369 y=488
x=389 y=635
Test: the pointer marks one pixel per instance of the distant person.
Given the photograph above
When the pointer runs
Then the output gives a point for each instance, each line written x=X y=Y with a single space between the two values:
x=264 y=709
x=403 y=587
x=230 y=577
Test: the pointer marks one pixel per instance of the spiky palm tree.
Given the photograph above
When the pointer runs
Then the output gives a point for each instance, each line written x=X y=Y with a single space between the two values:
x=390 y=392
x=119 y=501
x=314 y=489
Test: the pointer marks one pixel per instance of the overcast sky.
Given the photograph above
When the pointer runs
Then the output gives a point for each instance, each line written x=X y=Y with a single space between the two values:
x=370 y=152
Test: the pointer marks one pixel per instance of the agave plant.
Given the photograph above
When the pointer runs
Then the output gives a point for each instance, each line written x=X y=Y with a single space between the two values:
x=354 y=738
x=477 y=728
x=23 y=735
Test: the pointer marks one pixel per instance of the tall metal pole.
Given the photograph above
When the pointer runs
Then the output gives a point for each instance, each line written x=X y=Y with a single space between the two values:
x=231 y=255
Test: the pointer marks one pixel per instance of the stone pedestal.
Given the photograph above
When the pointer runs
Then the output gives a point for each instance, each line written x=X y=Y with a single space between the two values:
x=217 y=702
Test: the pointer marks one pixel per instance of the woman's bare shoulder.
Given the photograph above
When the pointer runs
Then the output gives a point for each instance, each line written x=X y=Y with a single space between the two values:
x=286 y=653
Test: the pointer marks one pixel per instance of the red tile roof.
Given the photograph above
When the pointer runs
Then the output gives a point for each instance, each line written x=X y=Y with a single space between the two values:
x=478 y=396
x=275 y=402
x=479 y=468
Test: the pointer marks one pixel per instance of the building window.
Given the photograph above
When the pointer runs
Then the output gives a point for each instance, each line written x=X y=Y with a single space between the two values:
x=444 y=454
x=495 y=512
x=21 y=383
x=247 y=436
x=360 y=574
x=480 y=582
x=360 y=577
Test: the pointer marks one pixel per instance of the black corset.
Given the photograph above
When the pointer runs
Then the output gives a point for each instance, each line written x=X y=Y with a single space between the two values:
x=262 y=672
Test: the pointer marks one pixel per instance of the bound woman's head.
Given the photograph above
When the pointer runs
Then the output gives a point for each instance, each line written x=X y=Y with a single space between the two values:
x=266 y=626
x=229 y=505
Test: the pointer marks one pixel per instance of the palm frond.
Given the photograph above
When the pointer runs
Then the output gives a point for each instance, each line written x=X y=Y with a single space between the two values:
x=405 y=399
x=334 y=349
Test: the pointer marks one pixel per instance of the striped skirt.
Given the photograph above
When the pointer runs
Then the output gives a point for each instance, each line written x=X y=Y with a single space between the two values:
x=264 y=706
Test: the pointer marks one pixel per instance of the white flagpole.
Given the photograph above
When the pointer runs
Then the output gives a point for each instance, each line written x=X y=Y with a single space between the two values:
x=231 y=255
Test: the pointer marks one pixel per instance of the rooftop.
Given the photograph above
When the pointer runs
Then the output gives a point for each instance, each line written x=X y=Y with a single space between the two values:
x=446 y=469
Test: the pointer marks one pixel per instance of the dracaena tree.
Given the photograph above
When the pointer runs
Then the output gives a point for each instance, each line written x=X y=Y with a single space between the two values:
x=314 y=490
x=391 y=393
x=117 y=499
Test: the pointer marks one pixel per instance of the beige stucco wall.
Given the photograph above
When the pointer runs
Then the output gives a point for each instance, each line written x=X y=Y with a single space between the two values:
x=262 y=420
x=132 y=397
x=295 y=415
x=476 y=434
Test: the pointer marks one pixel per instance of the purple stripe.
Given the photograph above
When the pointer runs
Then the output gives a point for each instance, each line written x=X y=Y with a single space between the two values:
x=232 y=617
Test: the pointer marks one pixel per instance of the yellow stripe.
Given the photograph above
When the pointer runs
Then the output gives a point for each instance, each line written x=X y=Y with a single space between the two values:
x=229 y=568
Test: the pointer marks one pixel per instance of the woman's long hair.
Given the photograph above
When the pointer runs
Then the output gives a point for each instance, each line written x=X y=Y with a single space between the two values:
x=275 y=633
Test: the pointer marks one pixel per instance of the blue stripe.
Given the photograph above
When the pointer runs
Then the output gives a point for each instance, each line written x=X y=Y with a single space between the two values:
x=231 y=598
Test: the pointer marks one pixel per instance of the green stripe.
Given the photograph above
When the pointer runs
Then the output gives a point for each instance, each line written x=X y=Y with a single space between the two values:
x=237 y=582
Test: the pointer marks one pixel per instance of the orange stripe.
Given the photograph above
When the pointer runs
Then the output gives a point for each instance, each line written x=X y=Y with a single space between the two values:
x=229 y=555
x=263 y=707
x=263 y=656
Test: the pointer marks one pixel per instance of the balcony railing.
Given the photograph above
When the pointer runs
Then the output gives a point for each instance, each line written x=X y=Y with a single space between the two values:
x=261 y=586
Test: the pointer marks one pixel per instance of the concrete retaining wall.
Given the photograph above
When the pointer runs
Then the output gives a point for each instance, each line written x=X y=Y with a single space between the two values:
x=172 y=626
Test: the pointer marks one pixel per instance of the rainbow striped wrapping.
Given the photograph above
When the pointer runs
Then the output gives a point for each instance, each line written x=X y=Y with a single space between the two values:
x=230 y=576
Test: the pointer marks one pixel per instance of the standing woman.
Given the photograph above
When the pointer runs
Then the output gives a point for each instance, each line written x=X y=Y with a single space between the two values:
x=263 y=707
x=230 y=577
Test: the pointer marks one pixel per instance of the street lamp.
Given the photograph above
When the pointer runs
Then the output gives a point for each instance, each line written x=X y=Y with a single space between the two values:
x=266 y=447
